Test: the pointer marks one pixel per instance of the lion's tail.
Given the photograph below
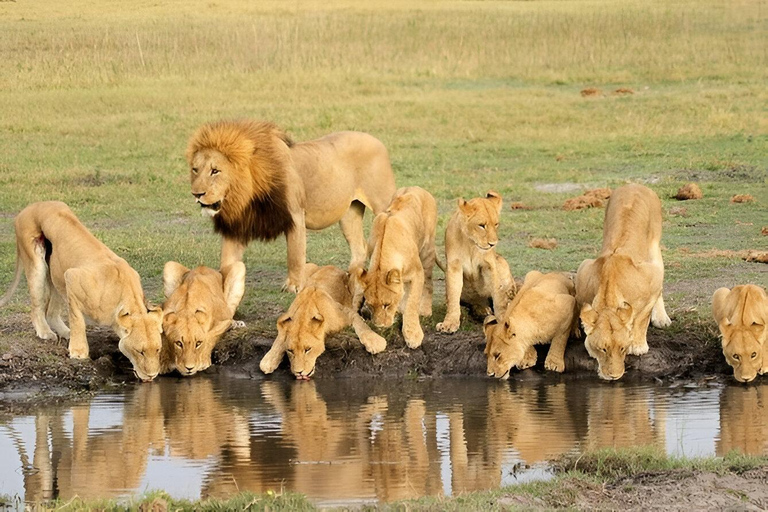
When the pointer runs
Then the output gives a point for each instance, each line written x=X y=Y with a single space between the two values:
x=16 y=279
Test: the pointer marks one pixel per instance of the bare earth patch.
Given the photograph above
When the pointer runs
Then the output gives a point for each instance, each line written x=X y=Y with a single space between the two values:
x=591 y=91
x=678 y=211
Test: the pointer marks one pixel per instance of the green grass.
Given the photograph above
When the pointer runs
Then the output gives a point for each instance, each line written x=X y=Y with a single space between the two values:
x=99 y=101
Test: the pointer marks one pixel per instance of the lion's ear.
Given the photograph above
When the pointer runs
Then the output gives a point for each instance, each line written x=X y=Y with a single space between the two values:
x=234 y=285
x=588 y=318
x=173 y=273
x=202 y=316
x=283 y=320
x=464 y=206
x=318 y=318
x=495 y=198
x=625 y=312
x=393 y=277
x=488 y=324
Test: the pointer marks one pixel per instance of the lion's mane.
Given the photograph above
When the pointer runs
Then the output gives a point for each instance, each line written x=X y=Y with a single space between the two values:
x=256 y=204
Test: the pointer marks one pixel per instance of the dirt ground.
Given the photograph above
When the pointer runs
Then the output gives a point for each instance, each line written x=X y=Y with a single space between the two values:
x=661 y=490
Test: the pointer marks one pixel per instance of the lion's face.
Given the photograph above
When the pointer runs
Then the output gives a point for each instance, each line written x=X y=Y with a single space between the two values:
x=140 y=339
x=481 y=220
x=608 y=338
x=501 y=349
x=383 y=293
x=198 y=310
x=743 y=350
x=211 y=175
x=305 y=341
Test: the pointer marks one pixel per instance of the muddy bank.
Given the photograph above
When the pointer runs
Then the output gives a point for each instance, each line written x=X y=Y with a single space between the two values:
x=689 y=349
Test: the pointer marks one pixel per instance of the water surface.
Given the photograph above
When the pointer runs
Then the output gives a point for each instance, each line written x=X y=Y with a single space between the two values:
x=351 y=441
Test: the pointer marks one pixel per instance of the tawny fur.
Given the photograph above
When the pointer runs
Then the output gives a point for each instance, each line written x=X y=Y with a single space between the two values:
x=257 y=184
x=475 y=274
x=200 y=306
x=67 y=268
x=322 y=307
x=741 y=315
x=543 y=312
x=400 y=273
x=620 y=292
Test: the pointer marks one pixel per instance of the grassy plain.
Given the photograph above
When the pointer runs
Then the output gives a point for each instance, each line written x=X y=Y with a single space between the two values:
x=97 y=101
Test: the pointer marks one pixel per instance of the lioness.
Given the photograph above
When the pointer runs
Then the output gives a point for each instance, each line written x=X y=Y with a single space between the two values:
x=403 y=240
x=741 y=315
x=620 y=291
x=322 y=307
x=199 y=308
x=54 y=248
x=474 y=272
x=257 y=184
x=543 y=311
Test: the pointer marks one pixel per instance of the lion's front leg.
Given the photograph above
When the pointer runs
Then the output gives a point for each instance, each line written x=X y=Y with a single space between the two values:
x=454 y=281
x=232 y=251
x=372 y=342
x=412 y=331
x=78 y=343
x=274 y=357
x=297 y=254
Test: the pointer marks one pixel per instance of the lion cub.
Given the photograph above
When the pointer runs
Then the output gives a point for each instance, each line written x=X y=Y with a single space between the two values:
x=474 y=272
x=619 y=293
x=742 y=314
x=322 y=307
x=400 y=274
x=54 y=248
x=543 y=311
x=199 y=308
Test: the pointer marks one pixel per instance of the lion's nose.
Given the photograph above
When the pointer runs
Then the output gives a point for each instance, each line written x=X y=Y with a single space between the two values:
x=492 y=244
x=198 y=195
x=189 y=368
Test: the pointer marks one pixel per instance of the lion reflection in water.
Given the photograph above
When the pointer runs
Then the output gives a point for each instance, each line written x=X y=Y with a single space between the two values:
x=743 y=427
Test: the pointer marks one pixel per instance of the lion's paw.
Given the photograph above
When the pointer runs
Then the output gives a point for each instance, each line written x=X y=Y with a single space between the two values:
x=638 y=350
x=413 y=336
x=660 y=322
x=78 y=353
x=447 y=326
x=269 y=364
x=555 y=365
x=237 y=324
x=373 y=343
x=46 y=334
x=291 y=286
x=425 y=309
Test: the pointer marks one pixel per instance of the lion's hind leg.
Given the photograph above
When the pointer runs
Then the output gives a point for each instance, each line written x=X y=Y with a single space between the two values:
x=56 y=310
x=36 y=269
x=659 y=317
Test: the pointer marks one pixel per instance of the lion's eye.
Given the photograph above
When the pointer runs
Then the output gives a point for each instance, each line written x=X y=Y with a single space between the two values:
x=290 y=351
x=214 y=172
x=194 y=170
x=481 y=226
x=180 y=344
x=197 y=345
x=306 y=350
x=385 y=305
x=496 y=356
x=604 y=350
x=736 y=357
x=496 y=225
x=141 y=352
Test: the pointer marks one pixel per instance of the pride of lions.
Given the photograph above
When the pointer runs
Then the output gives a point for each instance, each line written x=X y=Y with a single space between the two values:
x=256 y=183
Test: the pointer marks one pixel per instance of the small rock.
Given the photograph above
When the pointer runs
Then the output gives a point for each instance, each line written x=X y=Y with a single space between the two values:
x=7 y=357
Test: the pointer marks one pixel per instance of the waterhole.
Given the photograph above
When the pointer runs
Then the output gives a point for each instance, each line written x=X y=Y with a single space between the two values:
x=354 y=441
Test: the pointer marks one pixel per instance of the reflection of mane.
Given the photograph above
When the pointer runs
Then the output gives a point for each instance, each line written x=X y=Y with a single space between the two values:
x=743 y=426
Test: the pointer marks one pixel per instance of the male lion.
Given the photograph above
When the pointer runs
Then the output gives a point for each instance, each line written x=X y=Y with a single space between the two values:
x=474 y=272
x=620 y=291
x=741 y=315
x=322 y=307
x=403 y=255
x=199 y=308
x=257 y=184
x=62 y=259
x=543 y=311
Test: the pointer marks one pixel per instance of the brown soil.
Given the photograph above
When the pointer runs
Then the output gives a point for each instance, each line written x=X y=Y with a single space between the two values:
x=543 y=243
x=658 y=490
x=764 y=231
x=624 y=90
x=689 y=191
x=595 y=198
x=591 y=91
x=742 y=198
